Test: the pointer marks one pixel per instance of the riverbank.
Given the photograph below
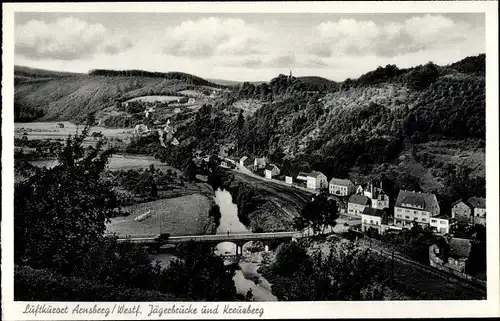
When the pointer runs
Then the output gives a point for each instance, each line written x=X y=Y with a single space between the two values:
x=260 y=207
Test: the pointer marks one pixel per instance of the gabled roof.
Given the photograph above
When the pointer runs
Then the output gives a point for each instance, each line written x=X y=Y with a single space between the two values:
x=244 y=158
x=459 y=247
x=424 y=200
x=373 y=212
x=477 y=202
x=303 y=174
x=315 y=174
x=459 y=201
x=270 y=167
x=359 y=199
x=341 y=182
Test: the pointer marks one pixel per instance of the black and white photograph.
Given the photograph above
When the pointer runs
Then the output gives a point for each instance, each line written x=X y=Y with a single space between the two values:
x=166 y=156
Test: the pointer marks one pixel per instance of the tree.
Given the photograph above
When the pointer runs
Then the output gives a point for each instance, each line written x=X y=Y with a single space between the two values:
x=320 y=213
x=60 y=213
x=198 y=275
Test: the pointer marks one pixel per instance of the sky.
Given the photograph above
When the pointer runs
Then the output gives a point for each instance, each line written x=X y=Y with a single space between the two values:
x=245 y=47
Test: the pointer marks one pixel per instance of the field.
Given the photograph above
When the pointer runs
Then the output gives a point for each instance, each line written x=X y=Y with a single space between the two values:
x=119 y=162
x=151 y=99
x=186 y=215
x=49 y=130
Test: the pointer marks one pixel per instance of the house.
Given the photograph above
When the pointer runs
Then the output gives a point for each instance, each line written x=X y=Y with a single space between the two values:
x=60 y=125
x=357 y=203
x=372 y=217
x=478 y=207
x=182 y=100
x=243 y=160
x=415 y=207
x=316 y=180
x=288 y=179
x=453 y=258
x=341 y=187
x=259 y=162
x=302 y=176
x=441 y=224
x=378 y=197
x=461 y=212
x=191 y=101
x=271 y=170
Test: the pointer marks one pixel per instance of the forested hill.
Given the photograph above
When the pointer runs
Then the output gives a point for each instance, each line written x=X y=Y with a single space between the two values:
x=187 y=78
x=428 y=118
x=54 y=96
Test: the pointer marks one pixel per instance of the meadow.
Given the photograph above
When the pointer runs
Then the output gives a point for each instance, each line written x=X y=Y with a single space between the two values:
x=186 y=215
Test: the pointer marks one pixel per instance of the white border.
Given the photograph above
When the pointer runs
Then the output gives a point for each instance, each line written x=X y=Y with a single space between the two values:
x=392 y=309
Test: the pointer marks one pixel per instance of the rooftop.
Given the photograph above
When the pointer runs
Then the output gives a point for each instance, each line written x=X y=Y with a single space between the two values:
x=315 y=174
x=418 y=199
x=373 y=212
x=270 y=167
x=244 y=158
x=342 y=182
x=477 y=202
x=359 y=199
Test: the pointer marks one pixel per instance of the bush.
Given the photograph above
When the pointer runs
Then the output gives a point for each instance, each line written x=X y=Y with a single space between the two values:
x=42 y=285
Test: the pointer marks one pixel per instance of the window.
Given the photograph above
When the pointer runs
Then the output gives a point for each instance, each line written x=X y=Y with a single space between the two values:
x=398 y=210
x=424 y=219
x=433 y=221
x=371 y=221
x=407 y=217
x=377 y=222
x=399 y=215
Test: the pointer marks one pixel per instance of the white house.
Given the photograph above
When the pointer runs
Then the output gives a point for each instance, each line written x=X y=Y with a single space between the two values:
x=191 y=101
x=441 y=224
x=415 y=207
x=461 y=212
x=357 y=204
x=341 y=187
x=478 y=205
x=271 y=170
x=378 y=197
x=243 y=160
x=316 y=180
x=372 y=217
x=288 y=179
x=259 y=162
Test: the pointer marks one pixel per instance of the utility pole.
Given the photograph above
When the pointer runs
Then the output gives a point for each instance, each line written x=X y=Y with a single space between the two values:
x=392 y=264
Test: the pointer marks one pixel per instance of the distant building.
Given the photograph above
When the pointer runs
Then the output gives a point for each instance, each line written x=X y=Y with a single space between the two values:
x=259 y=162
x=302 y=176
x=461 y=212
x=60 y=125
x=454 y=258
x=288 y=179
x=357 y=204
x=415 y=207
x=191 y=101
x=478 y=206
x=441 y=224
x=372 y=217
x=378 y=197
x=243 y=161
x=341 y=187
x=271 y=170
x=316 y=180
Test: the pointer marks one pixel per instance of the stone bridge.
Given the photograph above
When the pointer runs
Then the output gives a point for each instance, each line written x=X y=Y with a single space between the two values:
x=237 y=238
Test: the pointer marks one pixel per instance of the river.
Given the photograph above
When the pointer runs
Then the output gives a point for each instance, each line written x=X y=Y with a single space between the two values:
x=246 y=273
